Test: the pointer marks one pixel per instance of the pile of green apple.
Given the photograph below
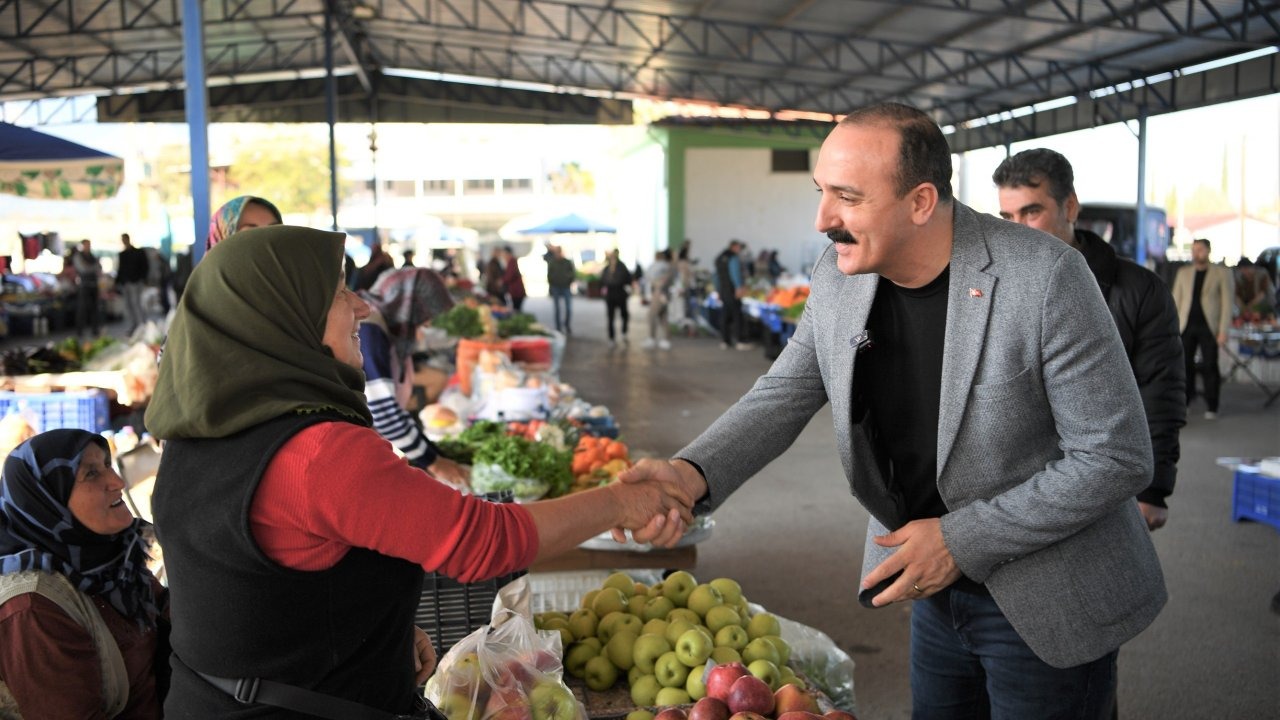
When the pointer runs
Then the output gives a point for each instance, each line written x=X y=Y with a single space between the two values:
x=663 y=638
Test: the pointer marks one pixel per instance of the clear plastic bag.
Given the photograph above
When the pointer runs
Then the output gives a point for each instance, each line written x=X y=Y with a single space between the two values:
x=504 y=671
x=487 y=478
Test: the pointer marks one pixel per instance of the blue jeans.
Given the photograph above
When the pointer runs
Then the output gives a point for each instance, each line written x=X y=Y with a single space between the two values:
x=967 y=661
x=558 y=296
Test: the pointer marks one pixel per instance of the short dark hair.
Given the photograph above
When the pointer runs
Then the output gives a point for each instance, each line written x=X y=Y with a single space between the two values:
x=1030 y=168
x=1203 y=241
x=923 y=154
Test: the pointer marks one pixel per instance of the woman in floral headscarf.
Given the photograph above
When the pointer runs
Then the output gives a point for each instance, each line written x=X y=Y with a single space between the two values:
x=78 y=607
x=401 y=302
x=238 y=214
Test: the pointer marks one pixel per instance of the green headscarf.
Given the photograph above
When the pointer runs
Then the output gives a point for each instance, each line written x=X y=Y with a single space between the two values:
x=246 y=344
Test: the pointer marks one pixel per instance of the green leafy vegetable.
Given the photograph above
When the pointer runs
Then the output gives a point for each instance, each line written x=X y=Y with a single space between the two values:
x=518 y=324
x=527 y=459
x=460 y=321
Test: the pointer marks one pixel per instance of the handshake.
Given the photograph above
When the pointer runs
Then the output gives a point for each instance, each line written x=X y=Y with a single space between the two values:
x=658 y=497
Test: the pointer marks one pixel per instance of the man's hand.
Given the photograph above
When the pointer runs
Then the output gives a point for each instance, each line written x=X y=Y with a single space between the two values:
x=451 y=472
x=424 y=656
x=1155 y=516
x=681 y=482
x=923 y=558
x=1222 y=338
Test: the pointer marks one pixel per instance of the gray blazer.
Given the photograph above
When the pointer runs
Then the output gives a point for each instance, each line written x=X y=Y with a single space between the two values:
x=1042 y=442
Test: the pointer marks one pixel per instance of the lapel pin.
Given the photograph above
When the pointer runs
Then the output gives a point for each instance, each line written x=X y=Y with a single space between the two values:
x=975 y=292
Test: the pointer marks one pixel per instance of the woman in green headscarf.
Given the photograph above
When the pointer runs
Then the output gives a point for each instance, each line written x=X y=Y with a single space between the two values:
x=295 y=539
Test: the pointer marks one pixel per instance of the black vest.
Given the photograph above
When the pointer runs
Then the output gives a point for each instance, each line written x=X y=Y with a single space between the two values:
x=345 y=631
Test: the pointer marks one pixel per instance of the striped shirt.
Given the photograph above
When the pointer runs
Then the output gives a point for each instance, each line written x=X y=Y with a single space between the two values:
x=390 y=420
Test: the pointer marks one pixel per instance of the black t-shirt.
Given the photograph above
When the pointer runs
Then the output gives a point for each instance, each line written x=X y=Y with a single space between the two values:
x=1195 y=317
x=898 y=380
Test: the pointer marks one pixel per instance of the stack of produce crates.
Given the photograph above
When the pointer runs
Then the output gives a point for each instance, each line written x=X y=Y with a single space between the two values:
x=79 y=409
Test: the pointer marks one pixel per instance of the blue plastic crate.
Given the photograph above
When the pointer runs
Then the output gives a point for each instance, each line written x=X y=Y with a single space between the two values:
x=81 y=409
x=1256 y=497
x=600 y=426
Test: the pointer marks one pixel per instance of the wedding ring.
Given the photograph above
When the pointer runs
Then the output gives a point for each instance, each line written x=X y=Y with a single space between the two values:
x=917 y=588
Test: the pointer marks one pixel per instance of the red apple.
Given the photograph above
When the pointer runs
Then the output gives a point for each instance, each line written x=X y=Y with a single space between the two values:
x=750 y=694
x=709 y=708
x=721 y=677
x=799 y=715
x=839 y=715
x=671 y=713
x=790 y=698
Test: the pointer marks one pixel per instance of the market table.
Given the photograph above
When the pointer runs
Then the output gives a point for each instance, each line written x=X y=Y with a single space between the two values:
x=1254 y=342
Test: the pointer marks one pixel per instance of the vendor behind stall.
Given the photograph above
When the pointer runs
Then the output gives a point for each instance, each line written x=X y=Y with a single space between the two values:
x=401 y=301
x=295 y=539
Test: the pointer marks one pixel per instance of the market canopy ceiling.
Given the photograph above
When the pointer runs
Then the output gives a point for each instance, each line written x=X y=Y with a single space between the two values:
x=584 y=60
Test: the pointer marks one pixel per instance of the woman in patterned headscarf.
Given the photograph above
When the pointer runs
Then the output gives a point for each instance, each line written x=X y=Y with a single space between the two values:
x=77 y=603
x=238 y=214
x=401 y=302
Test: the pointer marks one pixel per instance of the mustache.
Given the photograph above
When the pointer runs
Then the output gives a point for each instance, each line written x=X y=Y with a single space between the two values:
x=841 y=236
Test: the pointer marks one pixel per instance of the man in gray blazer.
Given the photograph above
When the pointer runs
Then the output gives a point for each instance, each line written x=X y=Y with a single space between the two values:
x=992 y=429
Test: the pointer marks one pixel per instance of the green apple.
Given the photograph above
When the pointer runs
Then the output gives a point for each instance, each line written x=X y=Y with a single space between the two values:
x=635 y=605
x=677 y=586
x=656 y=626
x=644 y=691
x=589 y=597
x=693 y=647
x=760 y=649
x=615 y=621
x=694 y=684
x=702 y=598
x=635 y=673
x=639 y=715
x=685 y=614
x=784 y=649
x=647 y=649
x=670 y=671
x=576 y=657
x=729 y=589
x=566 y=636
x=610 y=600
x=582 y=623
x=601 y=673
x=762 y=624
x=766 y=671
x=628 y=623
x=621 y=649
x=549 y=699
x=622 y=582
x=555 y=623
x=657 y=608
x=676 y=628
x=723 y=655
x=732 y=636
x=457 y=706
x=669 y=696
x=655 y=590
x=721 y=616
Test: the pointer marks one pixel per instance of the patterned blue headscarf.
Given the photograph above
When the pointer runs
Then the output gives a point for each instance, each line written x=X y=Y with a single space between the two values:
x=38 y=531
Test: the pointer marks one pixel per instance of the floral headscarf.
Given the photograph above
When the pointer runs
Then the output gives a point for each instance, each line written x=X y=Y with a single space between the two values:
x=39 y=532
x=407 y=298
x=227 y=218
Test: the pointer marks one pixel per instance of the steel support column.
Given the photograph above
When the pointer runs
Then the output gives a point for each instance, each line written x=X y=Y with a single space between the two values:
x=331 y=111
x=197 y=100
x=1140 y=252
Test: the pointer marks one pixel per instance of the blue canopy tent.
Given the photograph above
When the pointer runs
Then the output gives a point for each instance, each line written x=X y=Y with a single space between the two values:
x=40 y=166
x=573 y=223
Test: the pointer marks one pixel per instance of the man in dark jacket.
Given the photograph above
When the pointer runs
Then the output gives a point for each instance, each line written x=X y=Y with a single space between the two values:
x=1037 y=189
x=730 y=285
x=131 y=280
x=560 y=277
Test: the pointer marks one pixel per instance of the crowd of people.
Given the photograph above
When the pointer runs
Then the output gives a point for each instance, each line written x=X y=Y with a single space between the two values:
x=1006 y=396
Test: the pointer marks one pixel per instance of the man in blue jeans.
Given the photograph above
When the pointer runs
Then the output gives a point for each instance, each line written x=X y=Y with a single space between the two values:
x=560 y=277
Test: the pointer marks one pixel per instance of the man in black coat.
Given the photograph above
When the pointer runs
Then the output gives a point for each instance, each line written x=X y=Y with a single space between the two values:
x=1037 y=189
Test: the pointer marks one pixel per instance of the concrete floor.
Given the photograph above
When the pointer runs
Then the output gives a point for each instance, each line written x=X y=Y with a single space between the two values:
x=793 y=536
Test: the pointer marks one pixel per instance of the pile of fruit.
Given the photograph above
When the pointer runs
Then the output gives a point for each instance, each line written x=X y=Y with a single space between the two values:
x=597 y=461
x=786 y=297
x=678 y=642
x=509 y=681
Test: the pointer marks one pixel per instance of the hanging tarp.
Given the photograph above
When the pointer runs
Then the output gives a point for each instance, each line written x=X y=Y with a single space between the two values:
x=44 y=167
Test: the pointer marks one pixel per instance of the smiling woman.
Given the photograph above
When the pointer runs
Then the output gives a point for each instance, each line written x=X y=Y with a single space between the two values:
x=74 y=589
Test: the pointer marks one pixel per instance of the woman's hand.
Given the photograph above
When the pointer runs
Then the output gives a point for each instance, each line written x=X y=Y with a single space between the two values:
x=451 y=472
x=424 y=656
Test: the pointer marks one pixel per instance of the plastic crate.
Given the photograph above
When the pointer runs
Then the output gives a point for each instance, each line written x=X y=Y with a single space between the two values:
x=600 y=426
x=1256 y=497
x=449 y=610
x=80 y=409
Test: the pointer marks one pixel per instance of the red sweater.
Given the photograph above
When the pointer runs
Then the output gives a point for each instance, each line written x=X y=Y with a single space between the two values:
x=335 y=486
